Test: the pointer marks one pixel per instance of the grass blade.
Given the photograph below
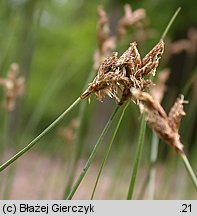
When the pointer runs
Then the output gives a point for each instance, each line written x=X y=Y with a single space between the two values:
x=137 y=158
x=92 y=155
x=108 y=150
x=34 y=141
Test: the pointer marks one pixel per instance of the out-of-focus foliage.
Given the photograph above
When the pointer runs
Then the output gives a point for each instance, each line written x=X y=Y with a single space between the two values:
x=54 y=42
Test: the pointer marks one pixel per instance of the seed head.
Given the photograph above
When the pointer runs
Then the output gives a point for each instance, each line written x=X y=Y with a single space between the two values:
x=166 y=126
x=116 y=76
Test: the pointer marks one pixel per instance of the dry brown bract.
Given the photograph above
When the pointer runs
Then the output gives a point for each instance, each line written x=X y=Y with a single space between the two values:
x=13 y=85
x=117 y=75
x=166 y=126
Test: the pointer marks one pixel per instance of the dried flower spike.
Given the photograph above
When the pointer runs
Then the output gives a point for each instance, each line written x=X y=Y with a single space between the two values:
x=166 y=126
x=117 y=75
x=13 y=85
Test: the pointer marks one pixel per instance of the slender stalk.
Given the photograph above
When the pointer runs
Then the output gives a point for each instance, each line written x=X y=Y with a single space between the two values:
x=92 y=155
x=78 y=143
x=189 y=169
x=155 y=140
x=137 y=158
x=108 y=150
x=34 y=141
x=170 y=23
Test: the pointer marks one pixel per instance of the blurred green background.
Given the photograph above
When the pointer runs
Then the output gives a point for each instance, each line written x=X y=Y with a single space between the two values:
x=54 y=41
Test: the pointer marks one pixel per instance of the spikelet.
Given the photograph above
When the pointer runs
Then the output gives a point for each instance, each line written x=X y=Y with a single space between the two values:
x=166 y=126
x=117 y=75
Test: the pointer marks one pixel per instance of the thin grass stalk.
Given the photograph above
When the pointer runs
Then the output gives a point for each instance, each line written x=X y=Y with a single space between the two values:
x=189 y=169
x=32 y=123
x=92 y=155
x=78 y=144
x=155 y=139
x=34 y=141
x=153 y=158
x=170 y=23
x=137 y=158
x=108 y=150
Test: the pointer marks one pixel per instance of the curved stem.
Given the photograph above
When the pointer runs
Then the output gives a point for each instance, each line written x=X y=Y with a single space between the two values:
x=92 y=155
x=34 y=141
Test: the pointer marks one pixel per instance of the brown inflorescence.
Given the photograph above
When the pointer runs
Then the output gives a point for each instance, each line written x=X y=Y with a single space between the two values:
x=14 y=86
x=106 y=40
x=117 y=75
x=166 y=126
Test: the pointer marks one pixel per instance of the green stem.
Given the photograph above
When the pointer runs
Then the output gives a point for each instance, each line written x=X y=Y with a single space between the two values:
x=137 y=158
x=34 y=141
x=108 y=151
x=189 y=169
x=78 y=142
x=170 y=23
x=155 y=140
x=92 y=155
